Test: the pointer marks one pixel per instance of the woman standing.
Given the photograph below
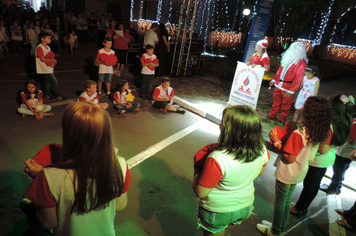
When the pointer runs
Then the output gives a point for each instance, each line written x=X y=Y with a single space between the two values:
x=162 y=49
x=260 y=57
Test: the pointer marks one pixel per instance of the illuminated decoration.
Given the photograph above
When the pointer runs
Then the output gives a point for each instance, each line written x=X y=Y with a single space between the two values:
x=141 y=8
x=224 y=39
x=338 y=22
x=307 y=43
x=342 y=50
x=170 y=11
x=131 y=10
x=324 y=22
x=159 y=10
x=212 y=55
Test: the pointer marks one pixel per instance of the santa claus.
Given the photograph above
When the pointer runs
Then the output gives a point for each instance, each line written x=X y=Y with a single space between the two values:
x=287 y=80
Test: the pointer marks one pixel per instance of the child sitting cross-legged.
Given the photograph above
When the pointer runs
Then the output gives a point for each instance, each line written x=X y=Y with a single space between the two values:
x=90 y=94
x=123 y=98
x=163 y=96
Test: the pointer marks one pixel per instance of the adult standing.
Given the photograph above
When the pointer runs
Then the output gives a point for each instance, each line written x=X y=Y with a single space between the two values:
x=151 y=36
x=111 y=29
x=121 y=46
x=287 y=80
x=92 y=29
x=260 y=57
x=162 y=48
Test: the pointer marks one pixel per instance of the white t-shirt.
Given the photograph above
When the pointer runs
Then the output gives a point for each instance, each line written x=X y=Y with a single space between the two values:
x=234 y=189
x=148 y=59
x=293 y=173
x=84 y=97
x=347 y=148
x=41 y=66
x=150 y=38
x=159 y=92
x=121 y=96
x=104 y=69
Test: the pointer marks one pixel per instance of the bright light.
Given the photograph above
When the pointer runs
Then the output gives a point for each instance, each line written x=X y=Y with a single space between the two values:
x=246 y=12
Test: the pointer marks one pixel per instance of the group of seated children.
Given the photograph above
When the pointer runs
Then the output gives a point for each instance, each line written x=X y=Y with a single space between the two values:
x=163 y=95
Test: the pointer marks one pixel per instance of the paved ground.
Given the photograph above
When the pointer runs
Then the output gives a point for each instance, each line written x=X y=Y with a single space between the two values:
x=161 y=200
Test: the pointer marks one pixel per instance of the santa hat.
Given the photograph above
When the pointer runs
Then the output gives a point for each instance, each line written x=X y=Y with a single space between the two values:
x=263 y=43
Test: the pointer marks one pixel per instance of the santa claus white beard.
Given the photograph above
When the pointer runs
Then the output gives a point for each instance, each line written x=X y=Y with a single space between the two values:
x=294 y=54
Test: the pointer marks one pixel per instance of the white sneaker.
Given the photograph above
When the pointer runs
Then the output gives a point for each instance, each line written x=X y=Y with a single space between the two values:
x=266 y=223
x=266 y=230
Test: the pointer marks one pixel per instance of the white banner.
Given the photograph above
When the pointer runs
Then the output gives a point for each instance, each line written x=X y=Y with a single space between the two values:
x=246 y=85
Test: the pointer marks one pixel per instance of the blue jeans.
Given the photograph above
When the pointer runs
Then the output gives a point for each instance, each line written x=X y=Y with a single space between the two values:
x=102 y=77
x=215 y=222
x=25 y=110
x=51 y=81
x=146 y=85
x=340 y=167
x=282 y=203
x=133 y=107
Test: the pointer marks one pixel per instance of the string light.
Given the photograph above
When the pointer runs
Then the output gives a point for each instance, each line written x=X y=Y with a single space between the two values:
x=159 y=11
x=323 y=24
x=342 y=50
x=131 y=11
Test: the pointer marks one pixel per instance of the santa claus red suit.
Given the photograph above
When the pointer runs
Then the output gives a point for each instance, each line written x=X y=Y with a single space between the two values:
x=288 y=79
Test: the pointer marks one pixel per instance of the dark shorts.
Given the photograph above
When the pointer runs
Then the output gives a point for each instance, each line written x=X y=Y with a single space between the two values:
x=163 y=105
x=121 y=56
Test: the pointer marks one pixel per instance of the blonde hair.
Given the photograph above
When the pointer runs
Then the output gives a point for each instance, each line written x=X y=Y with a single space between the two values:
x=89 y=82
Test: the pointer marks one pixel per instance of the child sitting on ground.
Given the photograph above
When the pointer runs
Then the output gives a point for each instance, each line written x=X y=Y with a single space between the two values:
x=72 y=41
x=106 y=59
x=121 y=102
x=32 y=99
x=163 y=96
x=90 y=94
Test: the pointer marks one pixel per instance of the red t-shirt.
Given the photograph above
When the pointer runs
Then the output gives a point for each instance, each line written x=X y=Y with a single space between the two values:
x=255 y=59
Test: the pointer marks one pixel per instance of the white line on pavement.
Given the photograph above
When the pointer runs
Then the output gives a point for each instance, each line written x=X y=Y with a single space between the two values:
x=334 y=202
x=132 y=162
x=310 y=217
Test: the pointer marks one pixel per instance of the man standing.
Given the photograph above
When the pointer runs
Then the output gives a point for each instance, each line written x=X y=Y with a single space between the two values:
x=151 y=36
x=287 y=80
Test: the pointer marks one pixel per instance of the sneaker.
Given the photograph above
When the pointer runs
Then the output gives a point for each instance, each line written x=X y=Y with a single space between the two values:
x=47 y=97
x=266 y=230
x=266 y=223
x=61 y=99
x=108 y=95
x=296 y=212
x=164 y=111
x=180 y=111
x=324 y=187
x=100 y=96
x=333 y=192
x=121 y=112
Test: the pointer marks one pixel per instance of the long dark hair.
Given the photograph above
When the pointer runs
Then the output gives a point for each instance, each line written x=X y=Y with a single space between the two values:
x=241 y=133
x=120 y=85
x=27 y=93
x=341 y=120
x=316 y=119
x=88 y=150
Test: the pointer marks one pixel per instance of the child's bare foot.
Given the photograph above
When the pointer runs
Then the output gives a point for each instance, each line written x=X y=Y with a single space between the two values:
x=121 y=112
x=164 y=111
x=48 y=114
x=137 y=109
x=39 y=116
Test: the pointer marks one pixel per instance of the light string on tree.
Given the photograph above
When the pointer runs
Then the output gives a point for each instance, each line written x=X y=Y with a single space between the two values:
x=159 y=11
